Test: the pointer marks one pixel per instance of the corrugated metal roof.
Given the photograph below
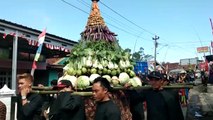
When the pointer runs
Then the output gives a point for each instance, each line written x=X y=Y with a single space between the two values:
x=31 y=30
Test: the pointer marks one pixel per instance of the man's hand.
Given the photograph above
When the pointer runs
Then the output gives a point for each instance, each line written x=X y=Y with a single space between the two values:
x=46 y=114
x=25 y=91
x=40 y=85
x=127 y=85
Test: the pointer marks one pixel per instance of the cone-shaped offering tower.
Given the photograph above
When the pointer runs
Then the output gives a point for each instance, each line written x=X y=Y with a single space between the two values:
x=96 y=28
x=99 y=54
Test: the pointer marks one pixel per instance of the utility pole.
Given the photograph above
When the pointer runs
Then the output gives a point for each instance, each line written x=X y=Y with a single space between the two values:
x=156 y=45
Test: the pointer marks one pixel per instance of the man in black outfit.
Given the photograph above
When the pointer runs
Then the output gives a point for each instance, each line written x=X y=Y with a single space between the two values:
x=29 y=105
x=106 y=109
x=162 y=104
x=67 y=106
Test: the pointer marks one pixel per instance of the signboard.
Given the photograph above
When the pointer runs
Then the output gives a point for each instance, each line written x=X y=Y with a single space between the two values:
x=189 y=61
x=203 y=49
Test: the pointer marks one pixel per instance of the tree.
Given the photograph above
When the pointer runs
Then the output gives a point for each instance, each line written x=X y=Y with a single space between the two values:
x=139 y=55
x=127 y=50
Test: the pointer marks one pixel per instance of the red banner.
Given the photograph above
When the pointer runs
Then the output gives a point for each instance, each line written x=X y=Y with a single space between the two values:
x=203 y=49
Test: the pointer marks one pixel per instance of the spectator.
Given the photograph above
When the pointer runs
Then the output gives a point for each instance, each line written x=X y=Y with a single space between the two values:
x=29 y=104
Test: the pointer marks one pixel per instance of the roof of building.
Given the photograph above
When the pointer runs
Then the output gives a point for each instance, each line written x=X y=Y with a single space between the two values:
x=54 y=46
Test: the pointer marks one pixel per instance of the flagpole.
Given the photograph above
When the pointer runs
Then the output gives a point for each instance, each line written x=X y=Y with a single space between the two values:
x=211 y=50
x=211 y=25
x=32 y=71
x=41 y=38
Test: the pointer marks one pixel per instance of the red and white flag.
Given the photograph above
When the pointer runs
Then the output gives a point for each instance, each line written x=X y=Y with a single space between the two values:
x=41 y=38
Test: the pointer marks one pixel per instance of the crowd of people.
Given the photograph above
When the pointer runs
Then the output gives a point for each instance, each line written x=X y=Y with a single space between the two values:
x=162 y=104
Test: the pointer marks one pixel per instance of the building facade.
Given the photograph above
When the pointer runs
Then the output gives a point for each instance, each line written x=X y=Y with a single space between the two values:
x=18 y=45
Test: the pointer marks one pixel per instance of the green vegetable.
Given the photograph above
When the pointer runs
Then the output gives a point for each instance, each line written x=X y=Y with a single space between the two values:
x=115 y=81
x=93 y=71
x=83 y=82
x=123 y=78
x=84 y=70
x=113 y=72
x=93 y=77
x=107 y=77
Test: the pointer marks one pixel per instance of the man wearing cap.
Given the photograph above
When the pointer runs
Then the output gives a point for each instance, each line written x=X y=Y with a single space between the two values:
x=162 y=104
x=67 y=106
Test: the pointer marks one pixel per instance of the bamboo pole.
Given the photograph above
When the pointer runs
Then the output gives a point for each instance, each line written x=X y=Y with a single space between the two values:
x=51 y=88
x=42 y=88
x=171 y=86
x=47 y=90
x=150 y=87
x=56 y=92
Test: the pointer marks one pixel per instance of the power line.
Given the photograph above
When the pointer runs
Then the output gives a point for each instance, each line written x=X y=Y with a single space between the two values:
x=187 y=42
x=128 y=32
x=162 y=47
x=127 y=19
x=84 y=3
x=111 y=18
x=74 y=6
x=166 y=54
x=105 y=22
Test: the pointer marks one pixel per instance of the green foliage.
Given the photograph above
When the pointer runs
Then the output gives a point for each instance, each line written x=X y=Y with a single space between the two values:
x=140 y=55
x=99 y=49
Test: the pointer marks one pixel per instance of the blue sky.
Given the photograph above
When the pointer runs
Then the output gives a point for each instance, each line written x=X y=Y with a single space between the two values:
x=182 y=25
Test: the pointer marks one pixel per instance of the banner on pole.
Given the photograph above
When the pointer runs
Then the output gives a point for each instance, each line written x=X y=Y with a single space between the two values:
x=41 y=38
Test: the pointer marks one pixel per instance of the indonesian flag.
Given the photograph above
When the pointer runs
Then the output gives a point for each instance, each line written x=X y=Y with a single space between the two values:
x=41 y=38
x=211 y=24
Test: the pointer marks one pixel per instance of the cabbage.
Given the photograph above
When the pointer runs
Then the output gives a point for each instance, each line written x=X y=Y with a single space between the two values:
x=115 y=81
x=135 y=82
x=93 y=77
x=123 y=78
x=132 y=73
x=71 y=71
x=107 y=77
x=72 y=79
x=83 y=82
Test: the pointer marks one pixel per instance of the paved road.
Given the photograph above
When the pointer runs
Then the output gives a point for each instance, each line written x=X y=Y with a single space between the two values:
x=200 y=103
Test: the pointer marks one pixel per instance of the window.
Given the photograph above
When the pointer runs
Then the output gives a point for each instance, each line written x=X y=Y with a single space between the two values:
x=5 y=78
